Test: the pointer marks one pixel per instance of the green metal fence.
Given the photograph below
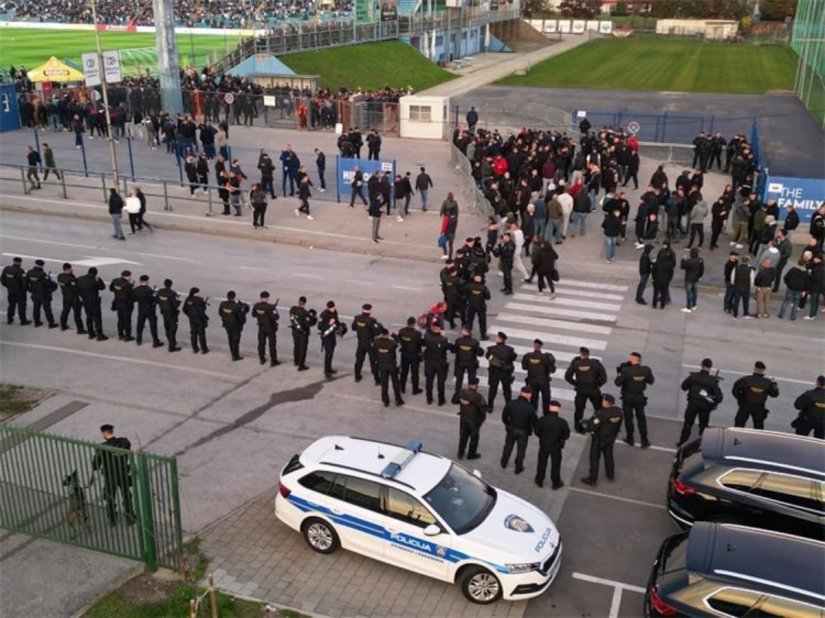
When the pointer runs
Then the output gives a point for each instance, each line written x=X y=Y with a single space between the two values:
x=107 y=499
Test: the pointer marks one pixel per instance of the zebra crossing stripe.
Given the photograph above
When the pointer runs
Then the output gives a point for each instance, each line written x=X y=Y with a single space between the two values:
x=573 y=302
x=561 y=356
x=593 y=285
x=555 y=324
x=547 y=308
x=564 y=340
x=565 y=394
x=589 y=294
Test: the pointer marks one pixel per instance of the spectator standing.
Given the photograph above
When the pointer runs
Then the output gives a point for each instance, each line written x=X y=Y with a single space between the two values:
x=796 y=281
x=257 y=197
x=304 y=195
x=611 y=227
x=645 y=267
x=694 y=268
x=115 y=211
x=79 y=129
x=763 y=282
x=48 y=158
x=449 y=224
x=423 y=183
x=321 y=165
x=816 y=285
x=33 y=159
x=472 y=120
x=742 y=278
x=697 y=217
x=132 y=208
x=566 y=201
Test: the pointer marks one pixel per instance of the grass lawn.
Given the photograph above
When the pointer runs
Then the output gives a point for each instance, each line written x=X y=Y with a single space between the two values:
x=659 y=64
x=18 y=399
x=370 y=66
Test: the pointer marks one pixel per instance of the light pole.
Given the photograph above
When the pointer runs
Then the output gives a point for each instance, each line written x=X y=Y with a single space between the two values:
x=102 y=73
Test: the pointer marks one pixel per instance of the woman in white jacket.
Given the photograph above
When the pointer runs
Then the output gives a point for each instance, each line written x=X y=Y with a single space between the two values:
x=132 y=206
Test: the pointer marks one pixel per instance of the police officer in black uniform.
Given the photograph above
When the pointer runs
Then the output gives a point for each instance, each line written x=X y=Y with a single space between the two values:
x=467 y=351
x=233 y=316
x=89 y=287
x=194 y=307
x=552 y=431
x=71 y=299
x=116 y=474
x=633 y=379
x=751 y=392
x=500 y=369
x=168 y=301
x=539 y=365
x=811 y=406
x=13 y=279
x=603 y=428
x=267 y=316
x=41 y=286
x=145 y=298
x=519 y=417
x=436 y=347
x=300 y=321
x=472 y=412
x=703 y=395
x=477 y=296
x=386 y=358
x=328 y=327
x=411 y=342
x=587 y=375
x=366 y=329
x=124 y=304
x=452 y=286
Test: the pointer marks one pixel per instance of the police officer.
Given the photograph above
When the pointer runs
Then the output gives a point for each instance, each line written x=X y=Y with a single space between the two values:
x=145 y=298
x=500 y=370
x=633 y=379
x=14 y=280
x=519 y=417
x=811 y=406
x=387 y=361
x=300 y=321
x=587 y=375
x=411 y=342
x=328 y=327
x=194 y=307
x=477 y=296
x=751 y=392
x=115 y=469
x=436 y=347
x=366 y=329
x=452 y=286
x=267 y=316
x=89 y=287
x=233 y=316
x=703 y=395
x=168 y=301
x=124 y=304
x=41 y=286
x=71 y=299
x=552 y=431
x=603 y=427
x=539 y=365
x=472 y=413
x=467 y=350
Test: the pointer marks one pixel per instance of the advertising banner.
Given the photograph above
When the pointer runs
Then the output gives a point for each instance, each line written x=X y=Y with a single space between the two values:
x=805 y=194
x=346 y=172
x=389 y=10
x=364 y=11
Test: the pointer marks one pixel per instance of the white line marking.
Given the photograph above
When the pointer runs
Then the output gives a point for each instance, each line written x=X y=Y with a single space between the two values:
x=163 y=257
x=555 y=324
x=608 y=582
x=358 y=282
x=573 y=302
x=561 y=356
x=47 y=242
x=619 y=498
x=529 y=335
x=615 y=603
x=592 y=285
x=652 y=447
x=33 y=257
x=589 y=294
x=306 y=276
x=556 y=392
x=256 y=268
x=549 y=309
x=747 y=373
x=405 y=287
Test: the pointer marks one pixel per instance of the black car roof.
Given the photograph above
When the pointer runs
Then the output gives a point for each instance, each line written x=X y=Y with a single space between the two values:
x=793 y=564
x=750 y=448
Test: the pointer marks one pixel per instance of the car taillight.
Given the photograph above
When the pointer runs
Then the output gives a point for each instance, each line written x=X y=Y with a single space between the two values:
x=681 y=488
x=283 y=490
x=659 y=606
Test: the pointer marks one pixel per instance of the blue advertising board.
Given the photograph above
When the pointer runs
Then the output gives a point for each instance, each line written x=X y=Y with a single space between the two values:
x=346 y=172
x=9 y=109
x=806 y=195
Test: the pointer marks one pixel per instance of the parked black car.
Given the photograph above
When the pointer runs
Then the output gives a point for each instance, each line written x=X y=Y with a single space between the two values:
x=760 y=478
x=729 y=570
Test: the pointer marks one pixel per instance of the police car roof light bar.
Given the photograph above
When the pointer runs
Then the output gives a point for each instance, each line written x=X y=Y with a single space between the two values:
x=401 y=459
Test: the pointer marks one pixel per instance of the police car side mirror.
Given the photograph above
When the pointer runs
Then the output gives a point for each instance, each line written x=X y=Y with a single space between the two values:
x=432 y=530
x=476 y=473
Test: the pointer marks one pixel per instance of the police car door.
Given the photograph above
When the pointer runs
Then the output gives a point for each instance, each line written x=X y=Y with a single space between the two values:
x=407 y=545
x=355 y=509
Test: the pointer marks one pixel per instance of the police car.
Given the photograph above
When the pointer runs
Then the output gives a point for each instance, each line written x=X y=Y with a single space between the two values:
x=420 y=512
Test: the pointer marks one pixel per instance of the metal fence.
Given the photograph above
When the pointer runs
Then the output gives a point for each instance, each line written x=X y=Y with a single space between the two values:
x=107 y=499
x=481 y=205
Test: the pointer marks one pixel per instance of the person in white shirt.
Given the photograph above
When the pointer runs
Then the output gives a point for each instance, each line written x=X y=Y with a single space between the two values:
x=518 y=241
x=566 y=201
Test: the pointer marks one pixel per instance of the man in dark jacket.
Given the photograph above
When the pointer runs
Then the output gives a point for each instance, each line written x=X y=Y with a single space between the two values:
x=144 y=296
x=14 y=280
x=411 y=342
x=603 y=428
x=116 y=210
x=194 y=307
x=703 y=395
x=587 y=376
x=539 y=365
x=116 y=474
x=751 y=392
x=124 y=304
x=436 y=347
x=233 y=317
x=467 y=351
x=811 y=406
x=71 y=299
x=694 y=267
x=41 y=286
x=366 y=329
x=500 y=371
x=267 y=316
x=552 y=431
x=386 y=359
x=662 y=274
x=472 y=413
x=89 y=287
x=791 y=221
x=506 y=251
x=518 y=417
x=645 y=268
x=633 y=378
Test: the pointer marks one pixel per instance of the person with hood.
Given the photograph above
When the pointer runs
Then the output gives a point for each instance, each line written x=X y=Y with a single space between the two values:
x=662 y=274
x=697 y=217
x=694 y=268
x=645 y=268
x=741 y=278
x=449 y=224
x=116 y=211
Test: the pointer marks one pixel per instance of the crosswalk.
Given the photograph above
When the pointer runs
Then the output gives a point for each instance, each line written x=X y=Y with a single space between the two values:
x=583 y=313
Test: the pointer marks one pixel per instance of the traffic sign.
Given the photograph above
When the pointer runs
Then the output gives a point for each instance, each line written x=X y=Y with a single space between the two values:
x=111 y=63
x=229 y=98
x=91 y=69
x=633 y=127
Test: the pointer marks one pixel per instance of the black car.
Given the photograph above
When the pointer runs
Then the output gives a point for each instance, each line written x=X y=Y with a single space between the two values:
x=744 y=476
x=728 y=570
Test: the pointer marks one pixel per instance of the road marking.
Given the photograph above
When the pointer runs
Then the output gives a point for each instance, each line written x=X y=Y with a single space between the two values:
x=564 y=357
x=618 y=588
x=358 y=282
x=561 y=311
x=405 y=287
x=256 y=268
x=89 y=261
x=619 y=498
x=48 y=242
x=33 y=257
x=529 y=335
x=66 y=244
x=306 y=276
x=747 y=373
x=163 y=257
x=652 y=447
x=555 y=324
x=592 y=285
x=556 y=392
x=574 y=302
x=589 y=294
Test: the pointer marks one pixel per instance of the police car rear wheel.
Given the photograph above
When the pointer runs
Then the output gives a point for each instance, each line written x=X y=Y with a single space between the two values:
x=320 y=536
x=480 y=586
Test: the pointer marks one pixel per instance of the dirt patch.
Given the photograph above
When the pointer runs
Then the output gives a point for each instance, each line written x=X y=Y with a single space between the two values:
x=16 y=399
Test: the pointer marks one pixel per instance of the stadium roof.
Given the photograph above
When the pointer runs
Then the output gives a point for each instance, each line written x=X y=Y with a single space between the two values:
x=261 y=64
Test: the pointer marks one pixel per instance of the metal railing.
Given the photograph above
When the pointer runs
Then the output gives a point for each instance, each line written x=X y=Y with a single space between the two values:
x=106 y=499
x=481 y=205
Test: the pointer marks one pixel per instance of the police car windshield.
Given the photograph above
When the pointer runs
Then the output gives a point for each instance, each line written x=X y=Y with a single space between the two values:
x=463 y=500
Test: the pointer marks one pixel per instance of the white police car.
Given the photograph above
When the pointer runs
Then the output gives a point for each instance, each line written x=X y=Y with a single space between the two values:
x=420 y=512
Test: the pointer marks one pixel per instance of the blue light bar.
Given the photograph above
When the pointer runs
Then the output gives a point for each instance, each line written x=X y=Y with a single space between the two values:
x=401 y=459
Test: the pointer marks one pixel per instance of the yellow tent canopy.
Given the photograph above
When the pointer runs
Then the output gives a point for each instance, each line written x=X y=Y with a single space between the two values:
x=55 y=71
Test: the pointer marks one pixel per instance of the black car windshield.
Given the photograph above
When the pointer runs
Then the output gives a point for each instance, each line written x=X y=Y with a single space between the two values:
x=462 y=499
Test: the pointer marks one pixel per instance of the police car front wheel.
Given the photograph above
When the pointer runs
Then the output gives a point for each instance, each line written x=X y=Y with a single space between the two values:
x=320 y=536
x=480 y=586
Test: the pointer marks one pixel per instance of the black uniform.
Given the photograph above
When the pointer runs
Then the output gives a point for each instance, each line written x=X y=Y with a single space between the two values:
x=539 y=366
x=472 y=412
x=411 y=342
x=89 y=287
x=604 y=426
x=366 y=328
x=467 y=351
x=71 y=302
x=267 y=316
x=811 y=406
x=587 y=375
x=386 y=359
x=145 y=298
x=233 y=317
x=300 y=321
x=41 y=286
x=751 y=392
x=519 y=417
x=703 y=395
x=168 y=301
x=116 y=476
x=14 y=280
x=194 y=307
x=477 y=297
x=328 y=327
x=500 y=371
x=124 y=304
x=552 y=431
x=633 y=380
x=436 y=347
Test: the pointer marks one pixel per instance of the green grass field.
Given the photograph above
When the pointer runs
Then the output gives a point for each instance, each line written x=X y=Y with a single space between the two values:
x=370 y=66
x=659 y=64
